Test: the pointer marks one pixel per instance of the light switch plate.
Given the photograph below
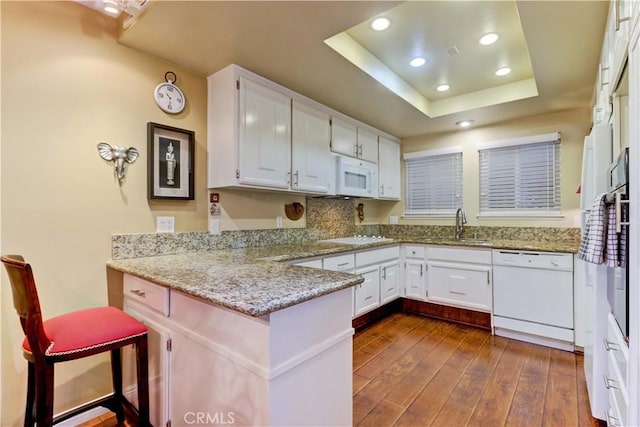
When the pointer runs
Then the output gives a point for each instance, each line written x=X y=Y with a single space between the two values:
x=278 y=222
x=393 y=219
x=165 y=224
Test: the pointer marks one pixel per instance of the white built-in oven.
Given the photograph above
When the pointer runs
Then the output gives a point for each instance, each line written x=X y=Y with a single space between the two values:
x=356 y=177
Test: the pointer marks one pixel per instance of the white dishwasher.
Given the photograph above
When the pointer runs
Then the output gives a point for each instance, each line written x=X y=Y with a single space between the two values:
x=533 y=297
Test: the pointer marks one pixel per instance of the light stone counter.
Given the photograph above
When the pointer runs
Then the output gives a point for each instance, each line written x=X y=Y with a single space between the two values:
x=250 y=281
x=236 y=279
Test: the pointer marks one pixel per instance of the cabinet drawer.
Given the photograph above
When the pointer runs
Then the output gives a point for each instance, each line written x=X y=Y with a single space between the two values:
x=377 y=256
x=474 y=256
x=414 y=251
x=153 y=296
x=340 y=263
x=617 y=350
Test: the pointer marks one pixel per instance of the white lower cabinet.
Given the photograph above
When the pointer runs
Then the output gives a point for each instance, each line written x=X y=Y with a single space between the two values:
x=149 y=304
x=379 y=268
x=460 y=277
x=345 y=263
x=367 y=293
x=389 y=281
x=415 y=278
x=215 y=366
x=461 y=285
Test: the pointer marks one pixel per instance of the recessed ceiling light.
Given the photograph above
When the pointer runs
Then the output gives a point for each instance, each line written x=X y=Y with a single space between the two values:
x=442 y=88
x=380 y=24
x=487 y=39
x=464 y=123
x=417 y=62
x=503 y=71
x=110 y=6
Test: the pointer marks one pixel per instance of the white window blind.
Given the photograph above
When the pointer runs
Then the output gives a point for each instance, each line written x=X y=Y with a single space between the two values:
x=521 y=177
x=433 y=182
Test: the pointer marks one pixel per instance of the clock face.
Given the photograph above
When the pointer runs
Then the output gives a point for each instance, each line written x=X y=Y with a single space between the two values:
x=169 y=98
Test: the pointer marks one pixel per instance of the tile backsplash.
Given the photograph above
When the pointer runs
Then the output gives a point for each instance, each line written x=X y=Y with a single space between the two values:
x=326 y=219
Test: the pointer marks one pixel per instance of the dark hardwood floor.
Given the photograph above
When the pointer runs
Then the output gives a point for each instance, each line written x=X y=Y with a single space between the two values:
x=410 y=370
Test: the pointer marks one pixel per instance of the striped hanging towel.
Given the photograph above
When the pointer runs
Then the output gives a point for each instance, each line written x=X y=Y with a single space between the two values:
x=592 y=244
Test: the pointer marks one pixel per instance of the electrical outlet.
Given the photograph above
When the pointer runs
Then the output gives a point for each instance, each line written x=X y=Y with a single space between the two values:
x=214 y=226
x=278 y=222
x=165 y=224
x=393 y=219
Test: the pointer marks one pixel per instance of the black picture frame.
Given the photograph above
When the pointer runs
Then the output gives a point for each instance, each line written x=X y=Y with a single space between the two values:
x=171 y=153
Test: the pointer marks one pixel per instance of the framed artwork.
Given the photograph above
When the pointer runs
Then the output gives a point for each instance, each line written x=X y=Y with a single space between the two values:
x=171 y=162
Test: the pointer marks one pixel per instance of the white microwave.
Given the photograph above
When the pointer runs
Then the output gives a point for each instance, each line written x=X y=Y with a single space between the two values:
x=356 y=177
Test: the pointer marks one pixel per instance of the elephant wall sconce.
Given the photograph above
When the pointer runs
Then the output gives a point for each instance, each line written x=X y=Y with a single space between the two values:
x=120 y=156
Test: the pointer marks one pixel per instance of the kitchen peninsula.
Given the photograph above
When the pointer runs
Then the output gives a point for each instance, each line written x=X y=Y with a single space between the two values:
x=251 y=340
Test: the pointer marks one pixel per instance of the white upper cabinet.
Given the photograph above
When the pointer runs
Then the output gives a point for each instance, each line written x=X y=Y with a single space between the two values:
x=351 y=140
x=389 y=169
x=262 y=135
x=264 y=145
x=618 y=29
x=367 y=145
x=344 y=137
x=248 y=131
x=310 y=149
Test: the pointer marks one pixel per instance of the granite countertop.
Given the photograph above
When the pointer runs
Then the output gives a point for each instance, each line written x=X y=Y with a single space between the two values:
x=315 y=249
x=255 y=282
x=569 y=246
x=236 y=279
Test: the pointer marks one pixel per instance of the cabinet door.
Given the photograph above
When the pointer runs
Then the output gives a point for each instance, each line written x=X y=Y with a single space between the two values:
x=388 y=169
x=367 y=294
x=264 y=155
x=310 y=149
x=460 y=285
x=389 y=281
x=414 y=280
x=158 y=355
x=344 y=137
x=367 y=145
x=618 y=38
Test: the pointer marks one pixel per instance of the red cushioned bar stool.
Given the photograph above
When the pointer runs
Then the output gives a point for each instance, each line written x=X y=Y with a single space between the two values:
x=73 y=336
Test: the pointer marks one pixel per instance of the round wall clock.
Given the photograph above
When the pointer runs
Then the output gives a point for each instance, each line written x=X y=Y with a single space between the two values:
x=168 y=96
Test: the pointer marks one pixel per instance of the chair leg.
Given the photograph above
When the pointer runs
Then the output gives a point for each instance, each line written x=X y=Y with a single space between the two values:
x=29 y=416
x=142 y=370
x=44 y=394
x=116 y=377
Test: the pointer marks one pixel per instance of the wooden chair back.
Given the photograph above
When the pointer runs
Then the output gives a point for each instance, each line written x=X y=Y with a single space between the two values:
x=26 y=303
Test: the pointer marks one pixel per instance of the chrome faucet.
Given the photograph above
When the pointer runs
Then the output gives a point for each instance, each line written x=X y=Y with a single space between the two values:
x=461 y=220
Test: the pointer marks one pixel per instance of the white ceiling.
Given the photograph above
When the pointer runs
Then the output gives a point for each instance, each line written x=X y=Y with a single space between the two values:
x=449 y=55
x=284 y=41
